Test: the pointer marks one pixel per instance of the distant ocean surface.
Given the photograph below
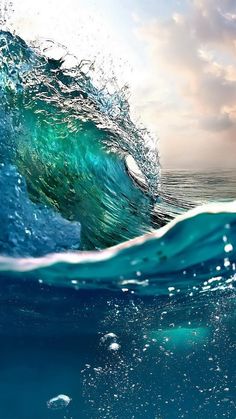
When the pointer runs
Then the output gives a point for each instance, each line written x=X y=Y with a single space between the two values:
x=117 y=296
x=199 y=187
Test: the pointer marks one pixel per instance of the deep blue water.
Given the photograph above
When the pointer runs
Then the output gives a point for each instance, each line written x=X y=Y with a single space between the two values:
x=176 y=356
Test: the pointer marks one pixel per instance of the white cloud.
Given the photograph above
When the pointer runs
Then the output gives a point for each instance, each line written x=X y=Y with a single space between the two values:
x=194 y=55
x=217 y=123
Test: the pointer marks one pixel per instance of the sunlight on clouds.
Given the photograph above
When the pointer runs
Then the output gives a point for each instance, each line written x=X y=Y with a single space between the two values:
x=194 y=55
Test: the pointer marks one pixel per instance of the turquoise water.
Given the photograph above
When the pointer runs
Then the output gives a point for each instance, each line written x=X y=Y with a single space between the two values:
x=117 y=301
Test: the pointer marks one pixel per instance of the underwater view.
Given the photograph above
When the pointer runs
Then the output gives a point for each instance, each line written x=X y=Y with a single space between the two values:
x=117 y=277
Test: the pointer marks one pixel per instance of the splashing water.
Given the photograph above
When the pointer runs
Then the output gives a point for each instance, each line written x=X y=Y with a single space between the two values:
x=69 y=141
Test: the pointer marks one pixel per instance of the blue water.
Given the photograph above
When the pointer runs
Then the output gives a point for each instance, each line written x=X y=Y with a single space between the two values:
x=174 y=355
x=117 y=299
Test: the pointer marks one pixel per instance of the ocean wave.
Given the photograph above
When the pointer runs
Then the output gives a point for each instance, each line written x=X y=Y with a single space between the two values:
x=64 y=144
x=193 y=253
x=69 y=139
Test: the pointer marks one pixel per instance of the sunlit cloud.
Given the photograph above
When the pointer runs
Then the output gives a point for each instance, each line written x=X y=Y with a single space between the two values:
x=194 y=55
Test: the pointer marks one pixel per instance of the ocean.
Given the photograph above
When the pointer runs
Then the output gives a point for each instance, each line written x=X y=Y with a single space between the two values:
x=173 y=353
x=117 y=298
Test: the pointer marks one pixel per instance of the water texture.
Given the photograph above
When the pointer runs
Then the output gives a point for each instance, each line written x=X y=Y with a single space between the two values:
x=115 y=301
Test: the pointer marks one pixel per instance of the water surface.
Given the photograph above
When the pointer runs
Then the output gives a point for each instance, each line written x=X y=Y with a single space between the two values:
x=174 y=354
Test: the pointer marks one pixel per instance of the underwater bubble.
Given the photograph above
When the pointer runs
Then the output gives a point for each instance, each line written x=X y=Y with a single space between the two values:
x=228 y=248
x=111 y=339
x=59 y=402
x=114 y=346
x=110 y=335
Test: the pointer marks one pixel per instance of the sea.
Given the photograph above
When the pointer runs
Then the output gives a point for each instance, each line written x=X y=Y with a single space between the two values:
x=117 y=296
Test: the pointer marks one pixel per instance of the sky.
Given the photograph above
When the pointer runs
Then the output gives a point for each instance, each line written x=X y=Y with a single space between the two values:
x=178 y=58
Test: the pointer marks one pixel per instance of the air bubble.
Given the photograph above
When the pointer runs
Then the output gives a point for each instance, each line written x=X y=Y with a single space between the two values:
x=59 y=402
x=228 y=248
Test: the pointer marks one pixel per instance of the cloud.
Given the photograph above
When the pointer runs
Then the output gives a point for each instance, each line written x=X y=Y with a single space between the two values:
x=214 y=21
x=217 y=123
x=193 y=55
